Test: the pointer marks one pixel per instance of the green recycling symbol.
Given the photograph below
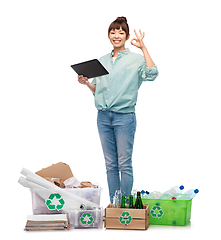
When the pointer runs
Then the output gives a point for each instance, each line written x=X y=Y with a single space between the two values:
x=125 y=218
x=156 y=212
x=86 y=219
x=55 y=201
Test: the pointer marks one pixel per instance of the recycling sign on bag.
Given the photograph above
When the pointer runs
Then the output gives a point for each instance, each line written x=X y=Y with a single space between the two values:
x=86 y=219
x=125 y=218
x=55 y=201
x=156 y=212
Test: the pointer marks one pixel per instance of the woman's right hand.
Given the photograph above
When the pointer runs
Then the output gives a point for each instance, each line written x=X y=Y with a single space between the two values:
x=82 y=79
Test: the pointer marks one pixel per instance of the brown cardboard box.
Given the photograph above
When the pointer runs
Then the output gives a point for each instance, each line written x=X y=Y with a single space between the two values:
x=125 y=218
x=58 y=170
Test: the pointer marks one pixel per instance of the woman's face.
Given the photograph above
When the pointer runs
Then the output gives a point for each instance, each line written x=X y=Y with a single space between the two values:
x=118 y=37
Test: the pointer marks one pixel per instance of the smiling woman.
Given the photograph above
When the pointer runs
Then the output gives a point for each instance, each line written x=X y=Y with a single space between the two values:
x=118 y=39
x=118 y=33
x=115 y=99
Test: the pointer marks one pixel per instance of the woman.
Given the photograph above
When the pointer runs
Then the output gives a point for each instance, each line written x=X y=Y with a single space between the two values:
x=115 y=98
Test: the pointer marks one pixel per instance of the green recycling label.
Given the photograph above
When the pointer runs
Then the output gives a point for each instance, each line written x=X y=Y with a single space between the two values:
x=86 y=219
x=55 y=201
x=156 y=212
x=125 y=218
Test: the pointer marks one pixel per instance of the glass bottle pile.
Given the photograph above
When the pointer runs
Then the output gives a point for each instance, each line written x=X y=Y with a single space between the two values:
x=119 y=201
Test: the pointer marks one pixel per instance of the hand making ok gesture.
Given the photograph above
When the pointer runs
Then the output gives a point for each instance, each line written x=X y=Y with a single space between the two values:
x=139 y=40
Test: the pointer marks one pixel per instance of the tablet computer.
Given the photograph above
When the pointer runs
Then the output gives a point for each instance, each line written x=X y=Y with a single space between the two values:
x=90 y=69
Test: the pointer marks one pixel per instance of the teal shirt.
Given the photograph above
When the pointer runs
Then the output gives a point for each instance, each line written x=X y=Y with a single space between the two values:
x=118 y=90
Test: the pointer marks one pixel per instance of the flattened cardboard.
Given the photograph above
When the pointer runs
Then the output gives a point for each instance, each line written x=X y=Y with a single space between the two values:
x=58 y=170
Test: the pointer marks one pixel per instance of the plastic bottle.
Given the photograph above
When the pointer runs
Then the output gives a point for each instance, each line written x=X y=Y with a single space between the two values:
x=190 y=194
x=134 y=193
x=154 y=195
x=172 y=192
x=144 y=194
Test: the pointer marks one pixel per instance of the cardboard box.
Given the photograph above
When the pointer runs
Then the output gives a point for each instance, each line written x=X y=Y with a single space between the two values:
x=58 y=170
x=125 y=218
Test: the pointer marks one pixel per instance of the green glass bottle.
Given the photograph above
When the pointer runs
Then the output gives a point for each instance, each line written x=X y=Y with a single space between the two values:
x=138 y=203
x=123 y=202
x=131 y=204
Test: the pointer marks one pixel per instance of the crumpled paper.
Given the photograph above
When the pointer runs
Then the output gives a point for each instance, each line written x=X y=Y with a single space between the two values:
x=57 y=181
x=87 y=185
x=71 y=182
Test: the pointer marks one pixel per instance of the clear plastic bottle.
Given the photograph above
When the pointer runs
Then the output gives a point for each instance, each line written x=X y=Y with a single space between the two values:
x=134 y=193
x=144 y=194
x=154 y=195
x=190 y=194
x=172 y=192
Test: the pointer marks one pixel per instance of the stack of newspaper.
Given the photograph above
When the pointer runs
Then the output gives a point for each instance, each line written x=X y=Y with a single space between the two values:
x=47 y=222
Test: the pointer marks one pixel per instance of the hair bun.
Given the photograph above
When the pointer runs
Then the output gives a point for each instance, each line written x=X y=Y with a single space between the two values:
x=119 y=23
x=121 y=19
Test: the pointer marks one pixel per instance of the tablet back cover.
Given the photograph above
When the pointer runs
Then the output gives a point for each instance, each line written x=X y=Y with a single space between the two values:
x=90 y=69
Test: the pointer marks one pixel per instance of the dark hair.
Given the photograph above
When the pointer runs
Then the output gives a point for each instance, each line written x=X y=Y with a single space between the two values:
x=120 y=22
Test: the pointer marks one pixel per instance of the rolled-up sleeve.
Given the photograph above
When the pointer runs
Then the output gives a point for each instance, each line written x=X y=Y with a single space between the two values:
x=94 y=81
x=148 y=73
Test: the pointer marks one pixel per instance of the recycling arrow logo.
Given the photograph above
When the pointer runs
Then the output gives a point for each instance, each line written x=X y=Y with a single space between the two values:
x=86 y=219
x=156 y=212
x=125 y=218
x=55 y=201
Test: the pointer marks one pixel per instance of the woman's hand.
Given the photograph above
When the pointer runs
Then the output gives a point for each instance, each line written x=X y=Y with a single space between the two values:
x=82 y=79
x=138 y=42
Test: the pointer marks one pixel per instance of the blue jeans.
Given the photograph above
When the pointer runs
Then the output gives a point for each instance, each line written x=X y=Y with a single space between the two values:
x=117 y=132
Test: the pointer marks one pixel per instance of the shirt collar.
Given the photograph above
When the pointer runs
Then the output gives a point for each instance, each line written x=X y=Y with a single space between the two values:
x=121 y=53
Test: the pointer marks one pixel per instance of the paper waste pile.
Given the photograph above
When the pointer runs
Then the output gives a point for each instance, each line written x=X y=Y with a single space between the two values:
x=47 y=222
x=50 y=185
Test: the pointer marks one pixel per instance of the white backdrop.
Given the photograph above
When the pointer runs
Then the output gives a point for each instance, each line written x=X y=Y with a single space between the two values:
x=48 y=117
